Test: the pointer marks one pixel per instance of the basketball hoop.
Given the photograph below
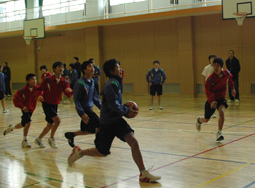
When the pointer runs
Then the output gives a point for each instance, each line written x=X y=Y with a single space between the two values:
x=240 y=17
x=28 y=39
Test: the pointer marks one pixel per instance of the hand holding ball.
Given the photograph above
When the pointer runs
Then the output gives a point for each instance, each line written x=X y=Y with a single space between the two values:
x=133 y=109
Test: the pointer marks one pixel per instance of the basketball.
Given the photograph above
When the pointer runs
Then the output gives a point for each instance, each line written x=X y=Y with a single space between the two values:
x=134 y=107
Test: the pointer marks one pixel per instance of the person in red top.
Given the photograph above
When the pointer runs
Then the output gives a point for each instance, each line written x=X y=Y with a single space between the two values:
x=45 y=72
x=26 y=100
x=52 y=88
x=215 y=89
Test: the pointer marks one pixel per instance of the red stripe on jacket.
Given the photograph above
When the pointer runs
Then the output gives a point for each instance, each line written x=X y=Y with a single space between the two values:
x=52 y=91
x=26 y=98
x=216 y=87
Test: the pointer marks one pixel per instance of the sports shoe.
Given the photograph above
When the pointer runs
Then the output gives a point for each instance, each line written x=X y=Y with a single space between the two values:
x=52 y=143
x=219 y=137
x=236 y=100
x=160 y=108
x=198 y=125
x=230 y=100
x=8 y=130
x=151 y=108
x=75 y=155
x=6 y=111
x=70 y=138
x=25 y=144
x=145 y=176
x=39 y=142
x=214 y=115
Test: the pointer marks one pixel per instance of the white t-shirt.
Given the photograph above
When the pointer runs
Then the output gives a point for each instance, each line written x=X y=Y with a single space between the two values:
x=208 y=70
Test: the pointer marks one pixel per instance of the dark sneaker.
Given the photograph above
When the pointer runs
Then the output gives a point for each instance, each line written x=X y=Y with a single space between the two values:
x=219 y=137
x=198 y=125
x=70 y=138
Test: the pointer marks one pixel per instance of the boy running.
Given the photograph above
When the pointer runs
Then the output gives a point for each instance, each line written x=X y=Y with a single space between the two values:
x=26 y=100
x=52 y=88
x=215 y=89
x=85 y=96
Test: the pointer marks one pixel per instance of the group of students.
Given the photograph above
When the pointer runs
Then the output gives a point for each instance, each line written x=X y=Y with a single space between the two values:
x=107 y=127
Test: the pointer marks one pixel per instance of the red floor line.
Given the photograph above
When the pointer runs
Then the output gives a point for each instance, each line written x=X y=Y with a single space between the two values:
x=184 y=158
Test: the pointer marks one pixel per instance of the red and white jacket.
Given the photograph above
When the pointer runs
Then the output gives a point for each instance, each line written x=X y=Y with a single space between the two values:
x=216 y=86
x=26 y=98
x=52 y=91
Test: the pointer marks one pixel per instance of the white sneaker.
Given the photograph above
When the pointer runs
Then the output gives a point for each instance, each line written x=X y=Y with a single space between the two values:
x=25 y=144
x=230 y=100
x=6 y=111
x=52 y=143
x=8 y=130
x=39 y=142
x=236 y=100
x=198 y=125
x=219 y=137
x=151 y=108
x=145 y=176
x=75 y=155
x=214 y=115
x=160 y=108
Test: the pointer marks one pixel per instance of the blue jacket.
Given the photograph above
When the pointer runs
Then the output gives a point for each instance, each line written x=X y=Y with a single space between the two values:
x=156 y=76
x=2 y=83
x=97 y=71
x=112 y=109
x=73 y=76
x=85 y=95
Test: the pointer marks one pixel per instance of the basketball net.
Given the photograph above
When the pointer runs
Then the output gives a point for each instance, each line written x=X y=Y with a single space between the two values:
x=28 y=39
x=240 y=17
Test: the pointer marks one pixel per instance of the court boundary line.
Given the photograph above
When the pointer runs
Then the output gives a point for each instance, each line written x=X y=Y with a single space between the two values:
x=169 y=164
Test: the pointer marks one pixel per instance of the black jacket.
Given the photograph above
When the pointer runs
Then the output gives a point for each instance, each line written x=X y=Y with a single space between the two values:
x=7 y=72
x=233 y=66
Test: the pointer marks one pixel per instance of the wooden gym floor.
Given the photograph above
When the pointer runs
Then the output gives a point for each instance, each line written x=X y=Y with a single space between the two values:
x=168 y=139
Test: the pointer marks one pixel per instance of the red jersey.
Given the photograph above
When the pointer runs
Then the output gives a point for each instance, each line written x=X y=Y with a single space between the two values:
x=52 y=90
x=44 y=75
x=216 y=86
x=27 y=98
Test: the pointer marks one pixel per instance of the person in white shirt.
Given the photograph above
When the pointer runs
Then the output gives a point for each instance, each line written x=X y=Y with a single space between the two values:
x=208 y=70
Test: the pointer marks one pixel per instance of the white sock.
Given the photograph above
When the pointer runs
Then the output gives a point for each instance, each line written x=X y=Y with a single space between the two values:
x=219 y=131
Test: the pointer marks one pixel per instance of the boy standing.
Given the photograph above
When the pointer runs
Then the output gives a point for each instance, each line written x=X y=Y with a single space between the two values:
x=45 y=72
x=26 y=100
x=215 y=89
x=2 y=90
x=112 y=124
x=52 y=88
x=97 y=73
x=85 y=96
x=156 y=82
x=208 y=70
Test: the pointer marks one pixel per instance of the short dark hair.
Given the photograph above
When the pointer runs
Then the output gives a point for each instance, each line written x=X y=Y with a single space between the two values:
x=109 y=66
x=210 y=56
x=231 y=51
x=219 y=61
x=64 y=65
x=76 y=58
x=72 y=65
x=43 y=67
x=6 y=63
x=91 y=59
x=56 y=64
x=29 y=76
x=156 y=61
x=84 y=66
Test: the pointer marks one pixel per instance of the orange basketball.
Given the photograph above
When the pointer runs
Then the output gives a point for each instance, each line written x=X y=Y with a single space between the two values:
x=134 y=107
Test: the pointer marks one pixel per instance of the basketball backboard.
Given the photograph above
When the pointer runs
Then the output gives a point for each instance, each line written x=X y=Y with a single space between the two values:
x=229 y=7
x=34 y=28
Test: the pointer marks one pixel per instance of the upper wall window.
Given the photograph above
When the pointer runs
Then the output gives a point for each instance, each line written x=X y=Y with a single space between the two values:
x=118 y=2
x=12 y=10
x=51 y=7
